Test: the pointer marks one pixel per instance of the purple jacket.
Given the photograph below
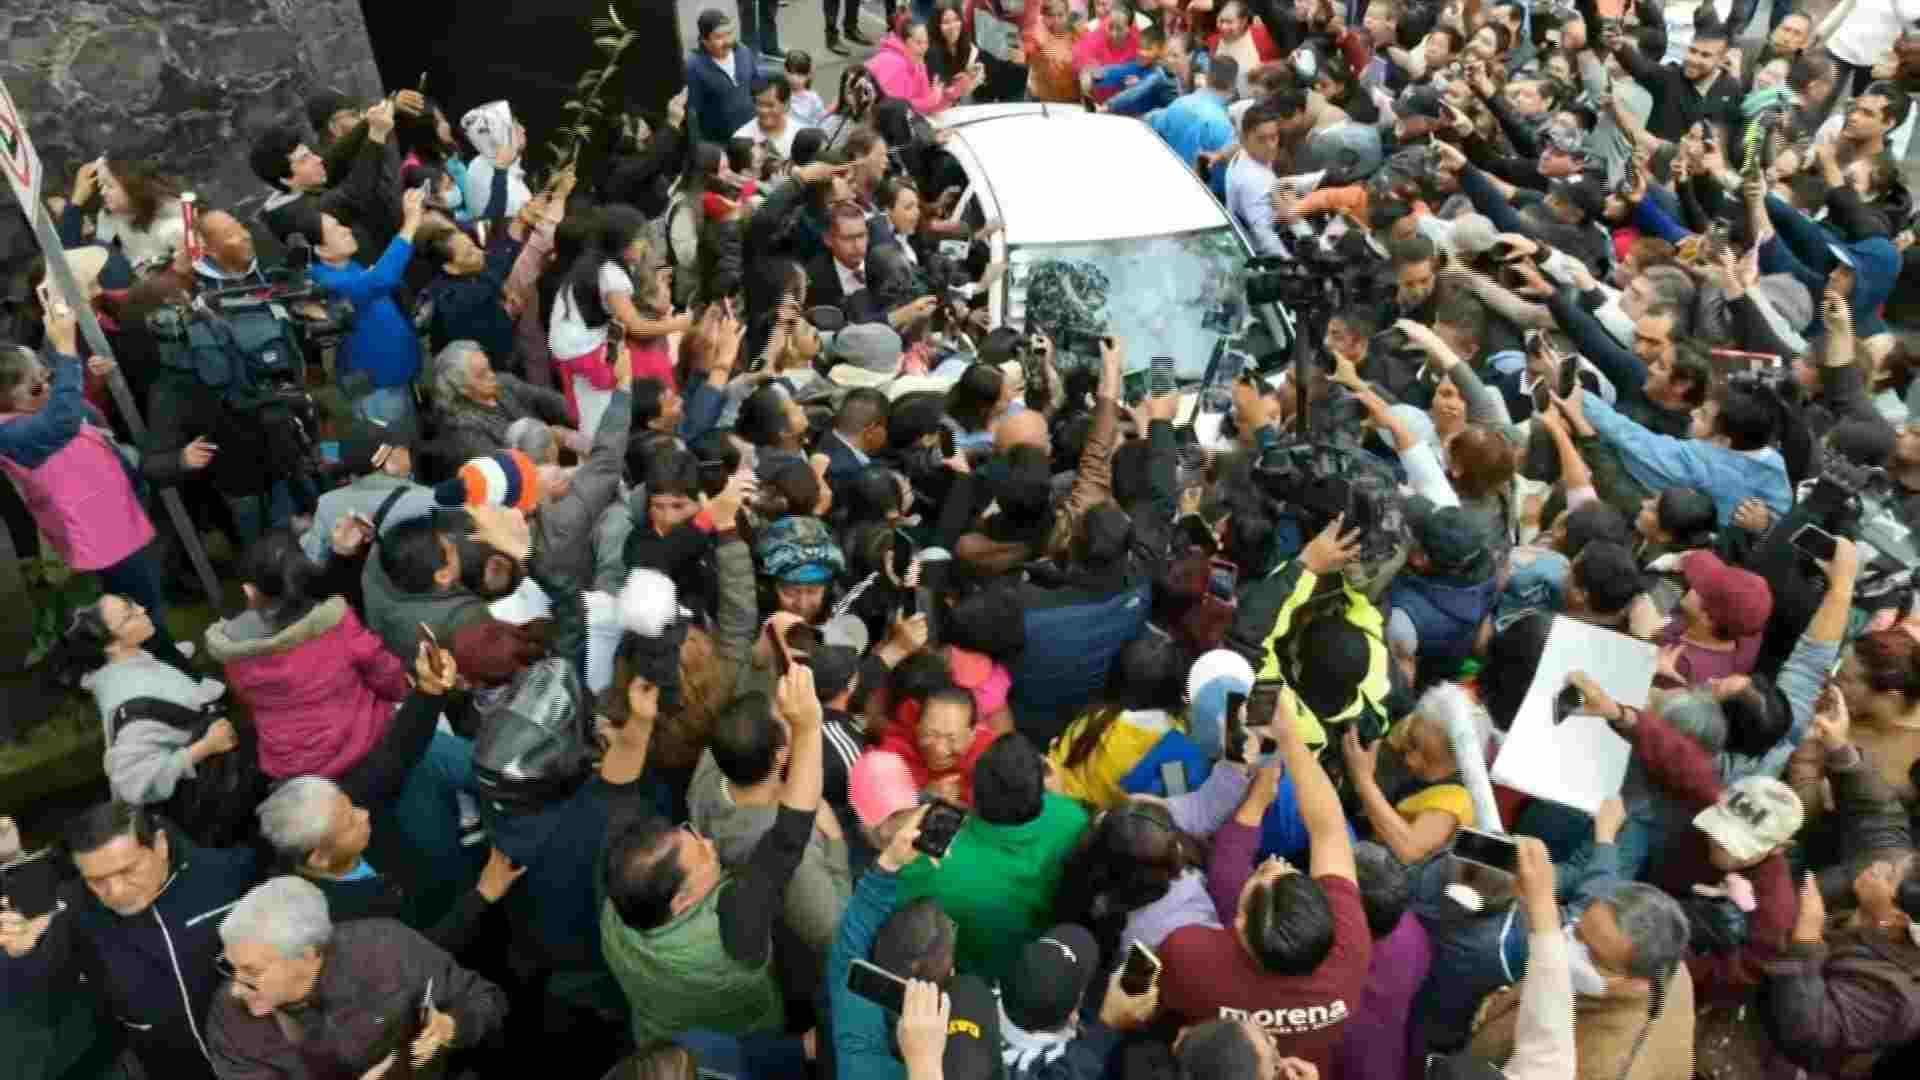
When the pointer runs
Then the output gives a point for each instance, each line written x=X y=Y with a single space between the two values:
x=74 y=482
x=1379 y=1036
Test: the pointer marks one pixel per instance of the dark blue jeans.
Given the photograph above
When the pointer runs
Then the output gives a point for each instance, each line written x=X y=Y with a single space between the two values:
x=759 y=24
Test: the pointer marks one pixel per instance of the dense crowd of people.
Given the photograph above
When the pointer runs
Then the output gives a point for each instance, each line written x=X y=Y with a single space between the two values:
x=683 y=593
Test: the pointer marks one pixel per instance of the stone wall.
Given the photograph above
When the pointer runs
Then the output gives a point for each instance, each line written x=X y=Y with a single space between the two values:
x=185 y=83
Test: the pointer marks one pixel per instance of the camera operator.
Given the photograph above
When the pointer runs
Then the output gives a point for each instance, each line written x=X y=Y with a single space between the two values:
x=251 y=450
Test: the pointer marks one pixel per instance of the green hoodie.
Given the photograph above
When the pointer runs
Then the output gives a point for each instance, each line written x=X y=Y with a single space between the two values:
x=997 y=883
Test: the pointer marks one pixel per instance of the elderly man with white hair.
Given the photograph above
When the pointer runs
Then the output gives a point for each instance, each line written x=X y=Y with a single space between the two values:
x=476 y=405
x=572 y=500
x=318 y=833
x=306 y=998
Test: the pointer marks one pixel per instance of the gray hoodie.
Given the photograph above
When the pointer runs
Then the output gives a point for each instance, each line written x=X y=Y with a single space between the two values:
x=363 y=497
x=146 y=758
x=141 y=675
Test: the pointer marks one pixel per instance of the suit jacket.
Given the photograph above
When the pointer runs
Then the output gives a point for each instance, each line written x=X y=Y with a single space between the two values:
x=823 y=289
x=842 y=465
x=720 y=104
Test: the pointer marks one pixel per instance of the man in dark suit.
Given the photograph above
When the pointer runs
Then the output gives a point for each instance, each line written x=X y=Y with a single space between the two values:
x=859 y=431
x=719 y=80
x=839 y=278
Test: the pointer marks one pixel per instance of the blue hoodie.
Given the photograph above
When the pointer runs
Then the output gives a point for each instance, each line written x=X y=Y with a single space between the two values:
x=1803 y=247
x=382 y=344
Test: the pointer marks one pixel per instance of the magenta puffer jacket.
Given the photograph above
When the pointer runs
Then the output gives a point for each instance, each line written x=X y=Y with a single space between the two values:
x=75 y=484
x=901 y=76
x=323 y=690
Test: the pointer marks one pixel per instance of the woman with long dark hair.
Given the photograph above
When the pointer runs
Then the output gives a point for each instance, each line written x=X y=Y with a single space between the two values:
x=951 y=52
x=604 y=292
x=140 y=211
x=852 y=110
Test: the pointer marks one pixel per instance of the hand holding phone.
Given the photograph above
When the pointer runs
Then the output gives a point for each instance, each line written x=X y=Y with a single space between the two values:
x=938 y=828
x=1490 y=850
x=878 y=985
x=1815 y=543
x=1139 y=971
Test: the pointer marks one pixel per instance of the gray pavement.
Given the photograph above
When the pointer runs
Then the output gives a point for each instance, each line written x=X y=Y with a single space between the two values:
x=803 y=26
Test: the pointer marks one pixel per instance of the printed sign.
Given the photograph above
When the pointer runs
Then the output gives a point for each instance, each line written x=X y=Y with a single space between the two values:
x=17 y=158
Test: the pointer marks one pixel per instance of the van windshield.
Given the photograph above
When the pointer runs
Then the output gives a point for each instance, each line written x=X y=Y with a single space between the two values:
x=1163 y=295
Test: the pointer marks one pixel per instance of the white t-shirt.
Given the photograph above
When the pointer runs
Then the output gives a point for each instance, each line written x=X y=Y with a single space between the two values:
x=779 y=143
x=1868 y=32
x=1679 y=27
x=568 y=335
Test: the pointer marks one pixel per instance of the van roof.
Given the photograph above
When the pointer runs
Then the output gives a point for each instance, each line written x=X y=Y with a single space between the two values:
x=1058 y=174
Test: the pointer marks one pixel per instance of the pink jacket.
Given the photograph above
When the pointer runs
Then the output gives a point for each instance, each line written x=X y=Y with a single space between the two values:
x=901 y=76
x=72 y=479
x=322 y=690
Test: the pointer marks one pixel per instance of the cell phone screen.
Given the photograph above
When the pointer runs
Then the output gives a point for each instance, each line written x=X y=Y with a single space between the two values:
x=31 y=883
x=1236 y=736
x=1815 y=542
x=878 y=985
x=1495 y=852
x=1261 y=704
x=1139 y=970
x=1222 y=579
x=1160 y=375
x=938 y=828
x=1134 y=386
x=947 y=445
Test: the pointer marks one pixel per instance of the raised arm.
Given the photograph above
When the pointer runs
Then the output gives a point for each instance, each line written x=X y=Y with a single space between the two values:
x=1319 y=803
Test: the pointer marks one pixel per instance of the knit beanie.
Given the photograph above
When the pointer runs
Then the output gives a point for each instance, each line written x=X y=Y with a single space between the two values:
x=502 y=478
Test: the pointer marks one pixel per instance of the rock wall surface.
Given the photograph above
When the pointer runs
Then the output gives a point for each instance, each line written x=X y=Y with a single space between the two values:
x=186 y=83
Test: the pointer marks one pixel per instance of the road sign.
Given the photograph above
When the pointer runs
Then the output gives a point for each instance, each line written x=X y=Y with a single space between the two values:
x=17 y=158
x=22 y=166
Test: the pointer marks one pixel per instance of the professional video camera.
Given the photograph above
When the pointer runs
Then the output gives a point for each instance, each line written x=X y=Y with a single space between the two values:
x=244 y=343
x=1860 y=501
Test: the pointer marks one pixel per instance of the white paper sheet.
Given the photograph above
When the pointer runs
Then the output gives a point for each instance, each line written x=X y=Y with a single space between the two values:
x=1580 y=762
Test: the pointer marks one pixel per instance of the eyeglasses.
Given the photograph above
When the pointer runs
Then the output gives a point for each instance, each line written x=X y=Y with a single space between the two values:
x=225 y=968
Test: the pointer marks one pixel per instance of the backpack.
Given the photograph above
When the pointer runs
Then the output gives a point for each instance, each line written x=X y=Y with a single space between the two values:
x=214 y=808
x=248 y=353
x=533 y=748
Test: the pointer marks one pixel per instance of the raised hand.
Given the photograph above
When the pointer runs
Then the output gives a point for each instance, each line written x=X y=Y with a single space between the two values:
x=1332 y=549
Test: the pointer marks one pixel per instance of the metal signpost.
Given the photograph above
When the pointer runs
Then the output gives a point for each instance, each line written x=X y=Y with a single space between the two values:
x=24 y=175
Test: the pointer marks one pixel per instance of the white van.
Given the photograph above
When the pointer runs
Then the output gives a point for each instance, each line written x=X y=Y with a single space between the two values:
x=1104 y=225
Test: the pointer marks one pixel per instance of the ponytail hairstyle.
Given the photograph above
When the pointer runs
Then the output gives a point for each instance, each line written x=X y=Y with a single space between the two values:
x=82 y=648
x=1129 y=858
x=283 y=576
x=1148 y=673
x=614 y=229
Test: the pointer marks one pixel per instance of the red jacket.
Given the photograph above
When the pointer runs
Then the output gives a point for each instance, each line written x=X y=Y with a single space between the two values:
x=1684 y=770
x=899 y=738
x=1262 y=43
x=322 y=690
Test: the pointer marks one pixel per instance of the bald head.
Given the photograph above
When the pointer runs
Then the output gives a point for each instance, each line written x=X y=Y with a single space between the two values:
x=1024 y=428
x=228 y=242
